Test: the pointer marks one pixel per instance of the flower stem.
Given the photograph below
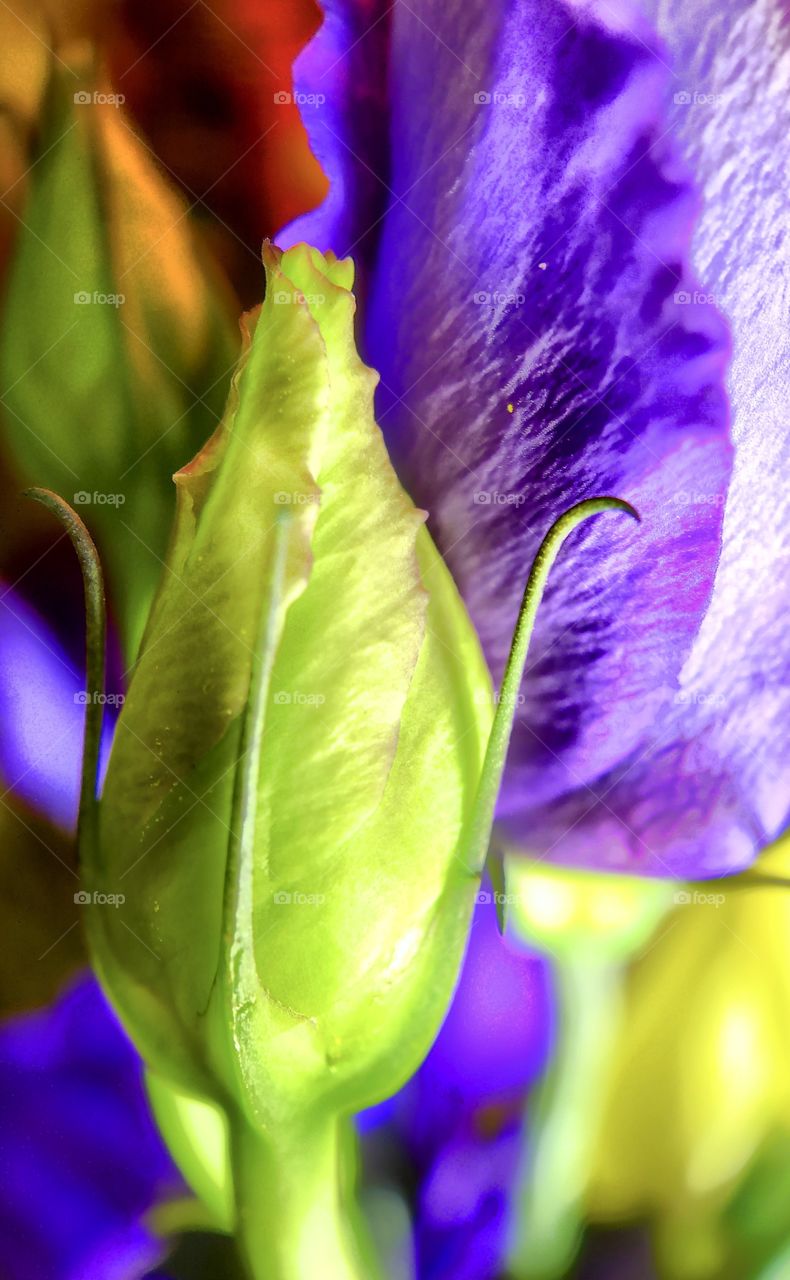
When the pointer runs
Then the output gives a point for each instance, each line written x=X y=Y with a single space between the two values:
x=496 y=752
x=295 y=1215
x=547 y=1207
x=95 y=645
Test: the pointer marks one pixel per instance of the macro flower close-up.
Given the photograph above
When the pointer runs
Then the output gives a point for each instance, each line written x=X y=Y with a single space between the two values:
x=395 y=672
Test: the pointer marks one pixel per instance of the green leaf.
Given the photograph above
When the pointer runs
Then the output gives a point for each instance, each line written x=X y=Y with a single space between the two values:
x=115 y=343
x=300 y=748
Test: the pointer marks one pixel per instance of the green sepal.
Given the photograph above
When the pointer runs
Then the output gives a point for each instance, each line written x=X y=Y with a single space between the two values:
x=495 y=869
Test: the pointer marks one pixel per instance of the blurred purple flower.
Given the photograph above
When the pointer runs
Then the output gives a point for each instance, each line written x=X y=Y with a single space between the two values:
x=42 y=713
x=494 y=1043
x=463 y=1205
x=458 y=1121
x=39 y=709
x=509 y=174
x=81 y=1161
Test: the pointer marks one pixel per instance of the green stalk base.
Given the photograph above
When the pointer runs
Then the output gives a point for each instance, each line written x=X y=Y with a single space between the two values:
x=295 y=1218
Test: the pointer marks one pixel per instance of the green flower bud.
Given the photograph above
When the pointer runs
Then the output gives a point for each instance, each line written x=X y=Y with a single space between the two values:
x=298 y=755
x=299 y=800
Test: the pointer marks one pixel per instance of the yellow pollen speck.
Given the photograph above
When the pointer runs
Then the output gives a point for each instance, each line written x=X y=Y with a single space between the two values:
x=510 y=408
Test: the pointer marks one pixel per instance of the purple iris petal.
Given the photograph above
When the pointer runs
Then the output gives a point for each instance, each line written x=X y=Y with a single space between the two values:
x=720 y=759
x=81 y=1161
x=731 y=111
x=541 y=339
x=341 y=80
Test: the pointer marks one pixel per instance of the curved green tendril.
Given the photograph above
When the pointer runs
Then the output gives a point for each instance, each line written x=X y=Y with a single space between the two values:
x=95 y=636
x=479 y=830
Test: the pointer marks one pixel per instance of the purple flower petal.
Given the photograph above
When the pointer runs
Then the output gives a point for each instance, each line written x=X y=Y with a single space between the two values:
x=732 y=114
x=341 y=86
x=81 y=1161
x=541 y=339
x=715 y=782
